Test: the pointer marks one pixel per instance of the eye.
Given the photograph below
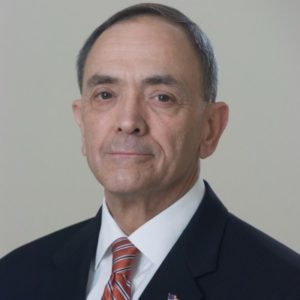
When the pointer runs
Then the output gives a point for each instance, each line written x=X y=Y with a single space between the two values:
x=104 y=95
x=163 y=98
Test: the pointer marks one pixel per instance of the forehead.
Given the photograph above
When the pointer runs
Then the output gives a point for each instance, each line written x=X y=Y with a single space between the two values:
x=141 y=44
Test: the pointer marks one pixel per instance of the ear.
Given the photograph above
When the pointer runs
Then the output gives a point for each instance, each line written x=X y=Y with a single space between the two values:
x=76 y=107
x=215 y=121
x=77 y=113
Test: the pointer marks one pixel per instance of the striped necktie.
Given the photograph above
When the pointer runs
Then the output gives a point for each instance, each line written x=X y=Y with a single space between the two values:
x=119 y=284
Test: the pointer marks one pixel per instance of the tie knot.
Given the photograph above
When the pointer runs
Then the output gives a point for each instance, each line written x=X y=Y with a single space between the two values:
x=124 y=253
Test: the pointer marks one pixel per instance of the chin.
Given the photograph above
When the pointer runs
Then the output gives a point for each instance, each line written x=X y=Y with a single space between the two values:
x=126 y=184
x=118 y=181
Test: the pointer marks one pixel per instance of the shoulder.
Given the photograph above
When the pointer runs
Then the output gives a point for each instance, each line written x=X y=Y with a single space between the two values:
x=41 y=247
x=244 y=245
x=256 y=242
x=24 y=265
x=252 y=253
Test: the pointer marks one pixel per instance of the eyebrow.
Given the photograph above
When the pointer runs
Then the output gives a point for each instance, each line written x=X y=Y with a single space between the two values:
x=161 y=79
x=101 y=79
x=167 y=79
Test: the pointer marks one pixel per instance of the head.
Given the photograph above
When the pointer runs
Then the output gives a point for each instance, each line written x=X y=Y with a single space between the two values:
x=148 y=111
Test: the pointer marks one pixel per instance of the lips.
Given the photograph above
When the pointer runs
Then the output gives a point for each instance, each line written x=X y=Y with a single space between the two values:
x=128 y=157
x=130 y=153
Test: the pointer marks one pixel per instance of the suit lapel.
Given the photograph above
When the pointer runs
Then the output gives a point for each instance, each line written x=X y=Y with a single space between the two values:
x=194 y=255
x=72 y=264
x=173 y=277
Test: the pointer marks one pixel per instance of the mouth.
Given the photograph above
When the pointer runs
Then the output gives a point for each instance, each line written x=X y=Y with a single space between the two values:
x=125 y=156
x=129 y=154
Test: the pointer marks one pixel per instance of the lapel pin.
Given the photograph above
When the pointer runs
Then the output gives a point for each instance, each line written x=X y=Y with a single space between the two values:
x=172 y=297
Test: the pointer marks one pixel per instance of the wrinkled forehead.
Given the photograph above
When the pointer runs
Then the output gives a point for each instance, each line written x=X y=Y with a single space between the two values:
x=140 y=41
x=140 y=28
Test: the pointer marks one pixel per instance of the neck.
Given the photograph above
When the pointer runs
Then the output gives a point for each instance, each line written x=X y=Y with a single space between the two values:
x=130 y=211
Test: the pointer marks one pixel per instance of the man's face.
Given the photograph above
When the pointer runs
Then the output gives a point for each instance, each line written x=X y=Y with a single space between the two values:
x=141 y=112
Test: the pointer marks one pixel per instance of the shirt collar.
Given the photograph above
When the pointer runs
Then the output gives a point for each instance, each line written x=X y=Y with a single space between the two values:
x=109 y=232
x=164 y=229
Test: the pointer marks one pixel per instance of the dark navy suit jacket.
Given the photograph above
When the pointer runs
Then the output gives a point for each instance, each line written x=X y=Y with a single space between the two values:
x=217 y=257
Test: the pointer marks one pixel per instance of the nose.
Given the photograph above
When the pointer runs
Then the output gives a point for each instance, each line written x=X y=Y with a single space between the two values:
x=130 y=118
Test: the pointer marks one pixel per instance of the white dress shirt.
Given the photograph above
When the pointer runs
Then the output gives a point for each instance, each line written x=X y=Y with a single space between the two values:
x=154 y=239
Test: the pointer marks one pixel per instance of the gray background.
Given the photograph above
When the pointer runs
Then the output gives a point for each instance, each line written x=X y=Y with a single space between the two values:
x=45 y=183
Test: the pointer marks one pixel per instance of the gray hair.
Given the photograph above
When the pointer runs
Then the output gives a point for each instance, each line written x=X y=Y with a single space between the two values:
x=195 y=34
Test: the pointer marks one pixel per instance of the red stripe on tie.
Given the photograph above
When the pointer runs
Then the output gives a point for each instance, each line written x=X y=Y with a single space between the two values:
x=119 y=285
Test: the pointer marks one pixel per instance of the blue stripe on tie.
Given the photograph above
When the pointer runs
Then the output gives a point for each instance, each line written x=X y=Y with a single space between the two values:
x=122 y=291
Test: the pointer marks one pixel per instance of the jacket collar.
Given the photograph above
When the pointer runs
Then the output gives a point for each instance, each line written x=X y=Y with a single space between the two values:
x=194 y=255
x=72 y=263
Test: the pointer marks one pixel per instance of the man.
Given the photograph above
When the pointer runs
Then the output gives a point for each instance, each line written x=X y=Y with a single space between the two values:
x=147 y=114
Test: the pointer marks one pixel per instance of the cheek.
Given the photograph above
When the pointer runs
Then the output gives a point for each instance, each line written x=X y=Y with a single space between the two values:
x=184 y=142
x=92 y=136
x=171 y=140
